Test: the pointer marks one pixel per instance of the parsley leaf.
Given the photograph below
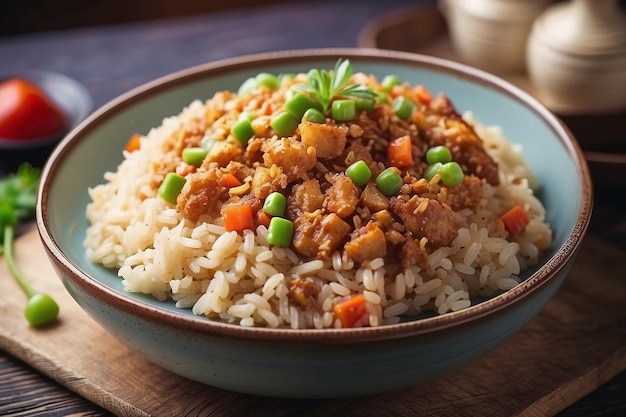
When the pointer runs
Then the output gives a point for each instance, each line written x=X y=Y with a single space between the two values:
x=18 y=196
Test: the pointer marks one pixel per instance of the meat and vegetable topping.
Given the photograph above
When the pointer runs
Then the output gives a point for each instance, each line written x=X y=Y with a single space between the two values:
x=331 y=160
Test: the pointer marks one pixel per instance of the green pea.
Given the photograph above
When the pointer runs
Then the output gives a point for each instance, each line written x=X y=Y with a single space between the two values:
x=275 y=204
x=249 y=115
x=438 y=154
x=284 y=124
x=366 y=104
x=451 y=174
x=242 y=131
x=383 y=97
x=403 y=107
x=389 y=182
x=247 y=86
x=171 y=186
x=314 y=116
x=432 y=170
x=298 y=104
x=359 y=173
x=194 y=156
x=390 y=81
x=280 y=232
x=266 y=79
x=41 y=310
x=343 y=110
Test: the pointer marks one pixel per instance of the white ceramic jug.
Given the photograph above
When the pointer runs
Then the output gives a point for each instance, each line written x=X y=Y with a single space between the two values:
x=491 y=34
x=576 y=56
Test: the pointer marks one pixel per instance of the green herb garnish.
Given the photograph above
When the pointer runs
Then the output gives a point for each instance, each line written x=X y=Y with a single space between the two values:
x=18 y=194
x=326 y=86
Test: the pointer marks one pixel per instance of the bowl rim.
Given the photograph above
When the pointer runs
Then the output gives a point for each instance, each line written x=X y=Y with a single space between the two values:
x=200 y=325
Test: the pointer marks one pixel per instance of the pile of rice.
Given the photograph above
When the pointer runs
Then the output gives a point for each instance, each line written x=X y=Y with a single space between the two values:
x=240 y=279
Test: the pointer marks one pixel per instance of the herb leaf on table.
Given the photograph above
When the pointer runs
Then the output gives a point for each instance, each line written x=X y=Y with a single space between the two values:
x=18 y=196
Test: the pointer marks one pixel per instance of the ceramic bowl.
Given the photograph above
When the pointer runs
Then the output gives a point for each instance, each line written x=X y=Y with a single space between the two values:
x=310 y=363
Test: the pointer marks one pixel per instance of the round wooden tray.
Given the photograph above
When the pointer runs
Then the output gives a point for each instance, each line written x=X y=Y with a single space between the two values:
x=423 y=30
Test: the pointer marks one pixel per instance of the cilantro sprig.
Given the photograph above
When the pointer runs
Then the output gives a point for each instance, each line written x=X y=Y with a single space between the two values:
x=18 y=195
x=326 y=86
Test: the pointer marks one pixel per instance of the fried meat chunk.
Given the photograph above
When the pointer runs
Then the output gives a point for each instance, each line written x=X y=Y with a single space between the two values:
x=329 y=141
x=292 y=156
x=320 y=236
x=413 y=253
x=425 y=217
x=199 y=194
x=342 y=197
x=306 y=197
x=302 y=292
x=468 y=194
x=366 y=243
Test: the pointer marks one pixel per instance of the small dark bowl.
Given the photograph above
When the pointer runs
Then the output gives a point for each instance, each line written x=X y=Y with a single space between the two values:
x=71 y=97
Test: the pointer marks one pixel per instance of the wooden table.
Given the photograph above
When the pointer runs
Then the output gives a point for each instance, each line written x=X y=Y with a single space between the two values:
x=109 y=60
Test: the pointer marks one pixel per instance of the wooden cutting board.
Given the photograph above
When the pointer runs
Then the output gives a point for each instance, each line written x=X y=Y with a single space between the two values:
x=576 y=344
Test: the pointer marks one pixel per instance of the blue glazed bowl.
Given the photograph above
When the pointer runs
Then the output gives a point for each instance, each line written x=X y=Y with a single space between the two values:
x=310 y=363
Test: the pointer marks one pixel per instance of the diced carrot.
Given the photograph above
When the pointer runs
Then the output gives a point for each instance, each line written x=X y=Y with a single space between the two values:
x=423 y=94
x=515 y=219
x=349 y=312
x=399 y=152
x=229 y=181
x=134 y=143
x=264 y=218
x=238 y=217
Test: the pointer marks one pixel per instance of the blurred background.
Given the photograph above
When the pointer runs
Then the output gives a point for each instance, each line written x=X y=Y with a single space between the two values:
x=41 y=15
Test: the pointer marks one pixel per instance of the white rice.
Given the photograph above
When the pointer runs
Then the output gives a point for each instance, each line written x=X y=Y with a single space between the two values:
x=239 y=278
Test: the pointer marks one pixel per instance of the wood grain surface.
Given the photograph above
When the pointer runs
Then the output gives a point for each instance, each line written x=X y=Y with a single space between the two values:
x=575 y=345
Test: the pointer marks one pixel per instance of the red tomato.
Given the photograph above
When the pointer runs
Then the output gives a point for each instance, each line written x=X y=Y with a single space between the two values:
x=26 y=112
